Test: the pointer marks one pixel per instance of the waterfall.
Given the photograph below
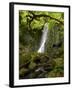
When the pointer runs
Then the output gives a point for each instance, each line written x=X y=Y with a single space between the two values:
x=43 y=39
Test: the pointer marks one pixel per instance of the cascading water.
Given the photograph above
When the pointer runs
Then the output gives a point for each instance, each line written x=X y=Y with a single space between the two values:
x=43 y=39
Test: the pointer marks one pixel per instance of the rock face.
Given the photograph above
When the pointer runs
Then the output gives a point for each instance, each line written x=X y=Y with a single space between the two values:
x=38 y=67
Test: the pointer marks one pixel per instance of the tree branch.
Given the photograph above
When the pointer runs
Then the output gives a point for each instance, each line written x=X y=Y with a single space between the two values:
x=43 y=15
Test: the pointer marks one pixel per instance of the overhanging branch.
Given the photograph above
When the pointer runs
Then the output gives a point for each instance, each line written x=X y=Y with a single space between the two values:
x=43 y=15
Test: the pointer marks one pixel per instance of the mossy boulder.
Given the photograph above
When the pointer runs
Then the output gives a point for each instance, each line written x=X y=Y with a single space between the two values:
x=36 y=65
x=23 y=72
x=58 y=70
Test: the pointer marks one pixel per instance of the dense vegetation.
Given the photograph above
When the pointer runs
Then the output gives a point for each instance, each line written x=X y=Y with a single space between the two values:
x=41 y=65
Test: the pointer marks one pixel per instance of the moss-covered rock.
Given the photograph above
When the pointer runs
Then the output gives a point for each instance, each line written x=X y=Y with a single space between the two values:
x=58 y=70
x=23 y=72
x=36 y=65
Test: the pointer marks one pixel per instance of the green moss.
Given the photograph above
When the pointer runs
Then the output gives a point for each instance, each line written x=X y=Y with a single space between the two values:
x=23 y=72
x=58 y=71
x=32 y=65
x=24 y=58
